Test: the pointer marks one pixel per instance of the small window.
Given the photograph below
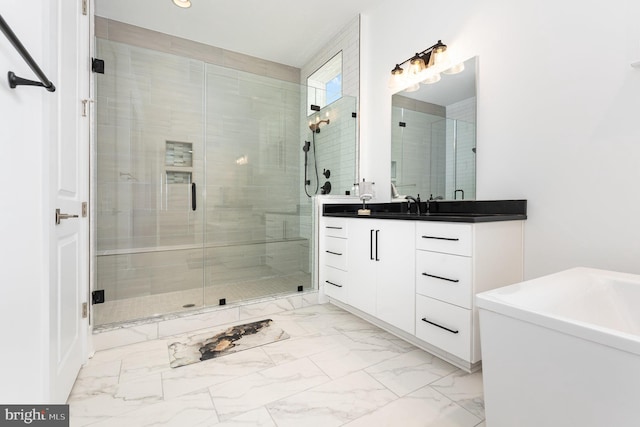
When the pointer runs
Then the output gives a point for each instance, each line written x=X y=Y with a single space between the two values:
x=324 y=86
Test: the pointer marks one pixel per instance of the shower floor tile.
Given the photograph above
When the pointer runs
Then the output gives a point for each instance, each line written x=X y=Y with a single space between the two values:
x=373 y=379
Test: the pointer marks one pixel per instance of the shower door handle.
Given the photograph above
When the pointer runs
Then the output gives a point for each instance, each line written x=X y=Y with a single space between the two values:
x=193 y=196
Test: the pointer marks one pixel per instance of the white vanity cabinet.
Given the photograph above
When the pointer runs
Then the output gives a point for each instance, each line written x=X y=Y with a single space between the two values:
x=454 y=261
x=333 y=257
x=418 y=279
x=381 y=270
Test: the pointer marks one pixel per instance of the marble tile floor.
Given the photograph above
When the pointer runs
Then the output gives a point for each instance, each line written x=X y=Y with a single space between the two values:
x=145 y=306
x=335 y=370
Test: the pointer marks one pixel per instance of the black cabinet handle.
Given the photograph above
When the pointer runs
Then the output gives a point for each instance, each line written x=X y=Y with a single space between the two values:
x=333 y=228
x=334 y=284
x=193 y=196
x=333 y=253
x=371 y=245
x=424 y=319
x=377 y=232
x=453 y=239
x=441 y=278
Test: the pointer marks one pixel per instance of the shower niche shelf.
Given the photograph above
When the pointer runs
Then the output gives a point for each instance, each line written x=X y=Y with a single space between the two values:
x=178 y=177
x=178 y=161
x=178 y=154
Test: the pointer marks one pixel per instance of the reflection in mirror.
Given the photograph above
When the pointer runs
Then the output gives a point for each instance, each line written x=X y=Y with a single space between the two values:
x=433 y=139
x=324 y=86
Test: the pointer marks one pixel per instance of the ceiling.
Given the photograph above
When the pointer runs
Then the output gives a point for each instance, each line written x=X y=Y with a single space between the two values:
x=284 y=31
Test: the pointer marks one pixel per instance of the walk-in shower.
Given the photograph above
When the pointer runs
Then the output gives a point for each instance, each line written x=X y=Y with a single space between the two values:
x=197 y=183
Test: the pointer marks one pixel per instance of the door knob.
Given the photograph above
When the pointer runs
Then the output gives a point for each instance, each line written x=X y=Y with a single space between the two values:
x=61 y=216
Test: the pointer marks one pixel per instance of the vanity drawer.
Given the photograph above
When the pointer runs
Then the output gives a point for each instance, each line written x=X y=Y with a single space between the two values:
x=334 y=282
x=450 y=327
x=445 y=277
x=334 y=227
x=335 y=252
x=445 y=238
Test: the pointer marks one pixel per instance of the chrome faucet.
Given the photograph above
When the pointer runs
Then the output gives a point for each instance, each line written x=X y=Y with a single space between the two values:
x=414 y=200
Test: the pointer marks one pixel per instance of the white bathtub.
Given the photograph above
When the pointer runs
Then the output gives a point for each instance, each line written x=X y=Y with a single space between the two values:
x=562 y=350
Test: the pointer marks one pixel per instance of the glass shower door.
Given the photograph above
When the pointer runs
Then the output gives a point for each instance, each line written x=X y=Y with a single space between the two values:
x=149 y=176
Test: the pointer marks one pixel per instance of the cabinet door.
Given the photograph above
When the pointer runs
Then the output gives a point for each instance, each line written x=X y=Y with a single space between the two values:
x=395 y=290
x=362 y=266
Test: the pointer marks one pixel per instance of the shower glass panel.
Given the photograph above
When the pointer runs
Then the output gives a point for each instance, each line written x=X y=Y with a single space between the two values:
x=150 y=151
x=198 y=180
x=253 y=244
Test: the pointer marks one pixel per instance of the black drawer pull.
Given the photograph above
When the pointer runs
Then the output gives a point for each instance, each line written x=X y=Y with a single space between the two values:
x=452 y=239
x=334 y=284
x=439 y=326
x=333 y=253
x=333 y=228
x=441 y=278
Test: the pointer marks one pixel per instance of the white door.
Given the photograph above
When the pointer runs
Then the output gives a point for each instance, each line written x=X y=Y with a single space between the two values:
x=69 y=183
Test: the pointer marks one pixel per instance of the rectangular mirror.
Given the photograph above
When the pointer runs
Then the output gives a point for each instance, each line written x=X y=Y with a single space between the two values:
x=433 y=139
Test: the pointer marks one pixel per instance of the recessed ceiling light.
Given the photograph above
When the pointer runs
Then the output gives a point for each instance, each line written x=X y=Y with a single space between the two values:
x=182 y=3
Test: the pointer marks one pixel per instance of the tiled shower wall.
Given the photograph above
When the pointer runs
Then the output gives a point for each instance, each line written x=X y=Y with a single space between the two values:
x=341 y=156
x=244 y=130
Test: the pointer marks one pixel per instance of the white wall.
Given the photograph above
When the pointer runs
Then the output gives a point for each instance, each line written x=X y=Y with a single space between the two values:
x=558 y=109
x=23 y=284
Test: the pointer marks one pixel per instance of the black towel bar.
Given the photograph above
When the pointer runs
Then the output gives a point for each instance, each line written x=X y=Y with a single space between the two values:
x=19 y=81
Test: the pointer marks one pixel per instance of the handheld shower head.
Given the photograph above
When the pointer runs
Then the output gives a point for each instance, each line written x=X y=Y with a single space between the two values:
x=315 y=127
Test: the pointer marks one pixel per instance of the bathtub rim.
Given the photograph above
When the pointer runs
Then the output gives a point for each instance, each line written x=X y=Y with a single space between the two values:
x=497 y=301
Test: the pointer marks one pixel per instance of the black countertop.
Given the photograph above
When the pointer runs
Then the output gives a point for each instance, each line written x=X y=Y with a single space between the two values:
x=438 y=210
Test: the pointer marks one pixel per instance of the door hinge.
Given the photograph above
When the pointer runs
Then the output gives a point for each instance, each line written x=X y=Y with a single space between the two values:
x=85 y=310
x=97 y=65
x=84 y=7
x=84 y=106
x=84 y=209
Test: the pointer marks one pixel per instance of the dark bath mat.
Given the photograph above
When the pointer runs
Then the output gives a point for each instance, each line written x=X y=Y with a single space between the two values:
x=212 y=344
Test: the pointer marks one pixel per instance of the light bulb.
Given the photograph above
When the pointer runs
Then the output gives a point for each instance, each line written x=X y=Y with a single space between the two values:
x=455 y=69
x=434 y=78
x=397 y=78
x=182 y=3
x=440 y=58
x=416 y=66
x=413 y=88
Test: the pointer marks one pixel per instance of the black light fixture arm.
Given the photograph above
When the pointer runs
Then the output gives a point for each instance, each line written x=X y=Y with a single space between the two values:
x=19 y=81
x=419 y=54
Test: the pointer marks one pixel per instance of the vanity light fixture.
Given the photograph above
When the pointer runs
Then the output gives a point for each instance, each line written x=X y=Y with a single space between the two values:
x=424 y=67
x=182 y=3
